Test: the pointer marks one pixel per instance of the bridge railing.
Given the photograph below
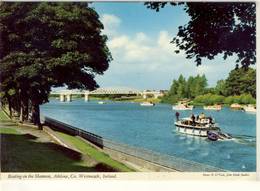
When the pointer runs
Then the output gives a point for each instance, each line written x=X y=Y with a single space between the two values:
x=169 y=161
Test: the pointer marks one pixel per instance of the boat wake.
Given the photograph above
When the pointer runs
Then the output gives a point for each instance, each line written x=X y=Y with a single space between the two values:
x=245 y=139
x=241 y=139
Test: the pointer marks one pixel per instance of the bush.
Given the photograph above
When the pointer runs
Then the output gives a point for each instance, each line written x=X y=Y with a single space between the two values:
x=247 y=99
x=228 y=100
x=169 y=99
x=208 y=99
x=241 y=99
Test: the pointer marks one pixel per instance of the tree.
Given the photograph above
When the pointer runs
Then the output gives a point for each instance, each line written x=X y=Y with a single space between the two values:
x=197 y=85
x=221 y=87
x=216 y=28
x=174 y=87
x=240 y=81
x=48 y=45
x=181 y=87
x=189 y=86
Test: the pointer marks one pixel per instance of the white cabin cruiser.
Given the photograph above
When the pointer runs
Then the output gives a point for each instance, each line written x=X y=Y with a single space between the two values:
x=205 y=127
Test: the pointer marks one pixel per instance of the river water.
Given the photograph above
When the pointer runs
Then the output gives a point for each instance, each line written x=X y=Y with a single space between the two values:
x=153 y=128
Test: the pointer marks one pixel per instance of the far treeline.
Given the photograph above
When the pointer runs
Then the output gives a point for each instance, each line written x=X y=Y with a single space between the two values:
x=239 y=87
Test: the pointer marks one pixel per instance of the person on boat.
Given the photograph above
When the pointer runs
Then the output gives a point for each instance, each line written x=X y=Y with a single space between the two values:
x=193 y=119
x=202 y=116
x=177 y=114
x=210 y=120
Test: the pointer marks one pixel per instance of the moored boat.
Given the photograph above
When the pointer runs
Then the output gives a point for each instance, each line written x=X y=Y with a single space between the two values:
x=147 y=104
x=236 y=106
x=182 y=105
x=101 y=102
x=250 y=108
x=213 y=107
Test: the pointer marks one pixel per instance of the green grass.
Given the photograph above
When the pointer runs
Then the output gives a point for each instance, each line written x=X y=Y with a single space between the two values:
x=8 y=131
x=153 y=100
x=24 y=153
x=21 y=153
x=94 y=153
x=3 y=115
x=138 y=99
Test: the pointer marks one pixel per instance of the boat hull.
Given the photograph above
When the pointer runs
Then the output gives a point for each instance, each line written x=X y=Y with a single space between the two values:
x=192 y=131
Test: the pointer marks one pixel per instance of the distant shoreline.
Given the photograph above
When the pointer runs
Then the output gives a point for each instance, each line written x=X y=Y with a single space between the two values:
x=153 y=100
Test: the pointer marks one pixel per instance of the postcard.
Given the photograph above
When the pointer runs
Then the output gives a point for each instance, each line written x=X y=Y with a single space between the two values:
x=128 y=90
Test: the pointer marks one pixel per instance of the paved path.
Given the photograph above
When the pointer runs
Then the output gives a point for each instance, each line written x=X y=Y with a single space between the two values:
x=41 y=135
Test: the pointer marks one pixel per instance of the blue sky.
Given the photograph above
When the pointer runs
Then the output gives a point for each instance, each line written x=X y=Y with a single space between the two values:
x=143 y=58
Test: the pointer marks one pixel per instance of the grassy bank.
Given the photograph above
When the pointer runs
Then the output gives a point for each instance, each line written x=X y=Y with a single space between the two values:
x=25 y=149
x=22 y=153
x=138 y=99
x=3 y=116
x=94 y=153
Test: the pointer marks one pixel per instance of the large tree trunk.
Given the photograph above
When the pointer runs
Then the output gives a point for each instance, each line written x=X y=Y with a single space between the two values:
x=36 y=115
x=21 y=119
x=10 y=107
x=26 y=110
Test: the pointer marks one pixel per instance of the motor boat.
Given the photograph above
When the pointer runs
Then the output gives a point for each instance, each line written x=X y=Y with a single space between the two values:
x=212 y=135
x=203 y=127
x=182 y=107
x=198 y=127
x=101 y=102
x=250 y=108
x=212 y=107
x=147 y=104
x=236 y=106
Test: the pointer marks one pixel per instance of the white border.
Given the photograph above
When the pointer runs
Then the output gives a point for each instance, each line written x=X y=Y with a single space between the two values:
x=64 y=185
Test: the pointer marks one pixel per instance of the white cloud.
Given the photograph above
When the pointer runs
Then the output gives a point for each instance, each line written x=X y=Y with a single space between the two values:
x=141 y=48
x=147 y=62
x=110 y=22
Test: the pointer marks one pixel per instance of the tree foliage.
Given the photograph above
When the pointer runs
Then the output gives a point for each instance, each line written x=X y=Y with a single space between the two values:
x=46 y=45
x=183 y=88
x=211 y=99
x=214 y=28
x=241 y=81
x=220 y=88
x=239 y=87
x=208 y=99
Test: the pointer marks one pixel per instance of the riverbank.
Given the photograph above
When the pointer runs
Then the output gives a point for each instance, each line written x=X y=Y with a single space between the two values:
x=26 y=149
x=136 y=99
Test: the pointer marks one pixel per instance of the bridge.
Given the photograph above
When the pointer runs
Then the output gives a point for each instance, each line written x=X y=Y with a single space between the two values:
x=66 y=95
